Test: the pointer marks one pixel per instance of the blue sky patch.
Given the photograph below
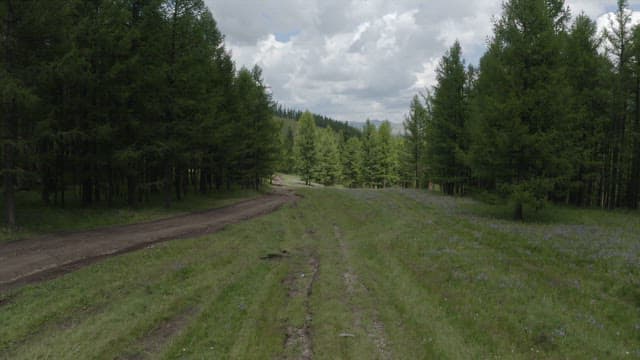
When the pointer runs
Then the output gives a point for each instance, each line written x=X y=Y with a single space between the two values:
x=285 y=37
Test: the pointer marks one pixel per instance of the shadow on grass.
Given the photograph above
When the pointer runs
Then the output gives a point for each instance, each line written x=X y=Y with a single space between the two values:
x=550 y=214
x=34 y=217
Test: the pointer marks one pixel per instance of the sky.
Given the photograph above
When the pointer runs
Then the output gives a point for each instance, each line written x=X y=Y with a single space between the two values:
x=360 y=59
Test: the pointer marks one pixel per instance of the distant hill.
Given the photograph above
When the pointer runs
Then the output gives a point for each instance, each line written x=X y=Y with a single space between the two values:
x=321 y=121
x=396 y=128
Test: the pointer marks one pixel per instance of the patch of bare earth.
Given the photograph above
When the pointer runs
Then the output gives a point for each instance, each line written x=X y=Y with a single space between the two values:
x=46 y=257
x=355 y=288
x=299 y=339
x=155 y=341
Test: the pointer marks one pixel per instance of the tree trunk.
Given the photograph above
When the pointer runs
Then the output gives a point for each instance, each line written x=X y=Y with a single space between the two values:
x=633 y=186
x=9 y=126
x=87 y=192
x=9 y=187
x=518 y=213
x=203 y=181
x=178 y=183
x=167 y=184
x=131 y=190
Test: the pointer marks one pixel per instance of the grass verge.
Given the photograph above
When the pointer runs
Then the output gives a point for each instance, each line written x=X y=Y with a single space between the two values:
x=359 y=274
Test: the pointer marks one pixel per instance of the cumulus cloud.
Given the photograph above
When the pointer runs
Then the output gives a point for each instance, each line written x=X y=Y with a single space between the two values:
x=358 y=59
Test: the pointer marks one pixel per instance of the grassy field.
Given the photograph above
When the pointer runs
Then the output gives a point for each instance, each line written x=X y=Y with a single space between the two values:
x=35 y=218
x=352 y=274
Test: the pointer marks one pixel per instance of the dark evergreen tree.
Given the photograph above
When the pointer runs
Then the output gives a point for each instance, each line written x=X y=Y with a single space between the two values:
x=414 y=140
x=618 y=48
x=519 y=146
x=588 y=77
x=446 y=138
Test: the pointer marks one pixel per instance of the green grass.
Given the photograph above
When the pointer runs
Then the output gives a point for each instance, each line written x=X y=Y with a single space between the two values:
x=35 y=218
x=403 y=274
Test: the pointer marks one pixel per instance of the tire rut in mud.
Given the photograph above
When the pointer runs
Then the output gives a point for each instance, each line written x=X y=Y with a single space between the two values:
x=299 y=339
x=355 y=288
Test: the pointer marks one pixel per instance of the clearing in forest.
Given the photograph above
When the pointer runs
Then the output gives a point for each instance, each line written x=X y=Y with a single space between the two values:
x=352 y=274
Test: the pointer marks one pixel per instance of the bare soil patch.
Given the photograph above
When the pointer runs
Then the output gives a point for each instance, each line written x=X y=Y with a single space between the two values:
x=158 y=338
x=375 y=331
x=299 y=339
x=47 y=257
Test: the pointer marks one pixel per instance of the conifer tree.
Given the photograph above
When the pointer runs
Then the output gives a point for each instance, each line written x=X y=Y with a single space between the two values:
x=587 y=75
x=352 y=162
x=388 y=156
x=446 y=137
x=371 y=156
x=306 y=148
x=328 y=171
x=518 y=143
x=414 y=142
x=618 y=41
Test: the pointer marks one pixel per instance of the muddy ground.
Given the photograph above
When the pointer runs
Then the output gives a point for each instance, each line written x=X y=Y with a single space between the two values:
x=49 y=256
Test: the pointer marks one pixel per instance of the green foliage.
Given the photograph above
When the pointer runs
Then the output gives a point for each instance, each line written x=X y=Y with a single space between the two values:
x=413 y=154
x=521 y=109
x=371 y=156
x=388 y=152
x=352 y=162
x=306 y=148
x=547 y=116
x=321 y=121
x=288 y=152
x=116 y=100
x=329 y=167
x=446 y=137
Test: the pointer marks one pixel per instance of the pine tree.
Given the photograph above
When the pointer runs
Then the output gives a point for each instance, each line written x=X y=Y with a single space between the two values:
x=414 y=143
x=518 y=146
x=446 y=136
x=634 y=178
x=29 y=38
x=306 y=148
x=352 y=162
x=259 y=132
x=587 y=75
x=328 y=171
x=388 y=156
x=371 y=156
x=288 y=152
x=618 y=47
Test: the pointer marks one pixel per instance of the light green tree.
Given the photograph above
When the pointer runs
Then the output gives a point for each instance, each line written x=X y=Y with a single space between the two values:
x=352 y=162
x=306 y=148
x=328 y=171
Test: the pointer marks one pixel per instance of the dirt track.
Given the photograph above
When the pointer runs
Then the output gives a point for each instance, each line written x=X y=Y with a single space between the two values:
x=47 y=257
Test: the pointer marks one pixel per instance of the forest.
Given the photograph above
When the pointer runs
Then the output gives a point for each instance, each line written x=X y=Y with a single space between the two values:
x=113 y=100
x=552 y=113
x=160 y=202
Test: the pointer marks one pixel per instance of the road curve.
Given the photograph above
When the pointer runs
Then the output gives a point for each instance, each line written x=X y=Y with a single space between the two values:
x=46 y=257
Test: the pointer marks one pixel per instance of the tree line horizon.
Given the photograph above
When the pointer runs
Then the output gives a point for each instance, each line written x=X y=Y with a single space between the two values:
x=552 y=112
x=112 y=101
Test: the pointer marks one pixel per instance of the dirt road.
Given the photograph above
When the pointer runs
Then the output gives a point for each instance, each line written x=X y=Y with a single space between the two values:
x=50 y=256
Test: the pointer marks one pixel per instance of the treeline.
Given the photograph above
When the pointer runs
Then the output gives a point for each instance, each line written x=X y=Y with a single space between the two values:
x=324 y=156
x=113 y=100
x=320 y=120
x=551 y=114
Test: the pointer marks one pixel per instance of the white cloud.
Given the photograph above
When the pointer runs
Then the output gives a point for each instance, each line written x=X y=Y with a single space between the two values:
x=353 y=59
